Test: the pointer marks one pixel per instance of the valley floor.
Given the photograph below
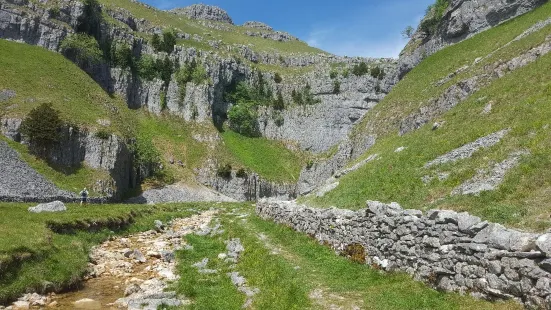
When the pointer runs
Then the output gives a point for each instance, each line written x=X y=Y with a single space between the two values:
x=225 y=258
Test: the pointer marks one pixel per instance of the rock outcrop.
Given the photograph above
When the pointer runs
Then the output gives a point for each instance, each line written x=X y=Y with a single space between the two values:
x=79 y=147
x=448 y=250
x=56 y=206
x=461 y=20
x=247 y=188
x=206 y=12
x=257 y=25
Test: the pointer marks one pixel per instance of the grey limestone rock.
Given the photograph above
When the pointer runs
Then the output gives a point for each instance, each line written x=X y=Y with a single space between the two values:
x=7 y=94
x=206 y=12
x=469 y=149
x=56 y=206
x=257 y=25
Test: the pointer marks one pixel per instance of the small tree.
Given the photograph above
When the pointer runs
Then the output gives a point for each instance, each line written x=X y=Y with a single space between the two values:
x=408 y=32
x=336 y=87
x=147 y=68
x=42 y=126
x=244 y=119
x=169 y=40
x=279 y=103
x=360 y=69
x=277 y=78
x=156 y=42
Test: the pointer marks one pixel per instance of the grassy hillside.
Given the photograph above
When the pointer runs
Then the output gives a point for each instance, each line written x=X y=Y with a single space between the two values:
x=232 y=34
x=520 y=101
x=28 y=71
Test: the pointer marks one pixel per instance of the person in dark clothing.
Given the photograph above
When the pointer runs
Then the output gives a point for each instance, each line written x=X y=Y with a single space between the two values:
x=84 y=196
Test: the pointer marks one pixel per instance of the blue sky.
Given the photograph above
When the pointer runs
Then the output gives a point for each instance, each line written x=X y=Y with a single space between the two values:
x=369 y=28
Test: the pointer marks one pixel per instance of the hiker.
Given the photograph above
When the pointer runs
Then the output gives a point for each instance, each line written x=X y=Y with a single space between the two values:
x=84 y=196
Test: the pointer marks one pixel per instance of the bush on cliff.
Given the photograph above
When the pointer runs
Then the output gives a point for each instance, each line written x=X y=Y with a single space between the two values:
x=243 y=119
x=81 y=49
x=41 y=126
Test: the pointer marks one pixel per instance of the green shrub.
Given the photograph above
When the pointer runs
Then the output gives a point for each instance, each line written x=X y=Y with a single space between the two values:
x=377 y=72
x=145 y=152
x=147 y=68
x=54 y=12
x=243 y=119
x=346 y=73
x=336 y=87
x=297 y=97
x=241 y=173
x=199 y=75
x=435 y=12
x=309 y=164
x=163 y=99
x=156 y=42
x=102 y=134
x=333 y=74
x=169 y=40
x=42 y=127
x=360 y=69
x=308 y=97
x=277 y=78
x=278 y=118
x=81 y=49
x=166 y=44
x=279 y=103
x=165 y=68
x=224 y=171
x=121 y=55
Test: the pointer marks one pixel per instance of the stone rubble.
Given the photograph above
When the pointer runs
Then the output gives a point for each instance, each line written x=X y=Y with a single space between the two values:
x=448 y=250
x=486 y=180
x=469 y=149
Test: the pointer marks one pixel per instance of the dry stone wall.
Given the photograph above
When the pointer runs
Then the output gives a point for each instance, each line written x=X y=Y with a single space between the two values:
x=450 y=251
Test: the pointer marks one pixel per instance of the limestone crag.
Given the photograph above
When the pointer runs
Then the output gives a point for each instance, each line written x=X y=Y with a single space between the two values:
x=462 y=20
x=79 y=147
x=448 y=250
x=202 y=11
x=257 y=25
x=249 y=188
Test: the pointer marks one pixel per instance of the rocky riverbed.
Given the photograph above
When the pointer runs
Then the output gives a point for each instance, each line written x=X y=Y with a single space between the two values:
x=132 y=272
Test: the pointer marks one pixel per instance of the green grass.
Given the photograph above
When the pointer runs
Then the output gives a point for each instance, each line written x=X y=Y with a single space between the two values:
x=270 y=159
x=31 y=254
x=28 y=70
x=287 y=266
x=523 y=199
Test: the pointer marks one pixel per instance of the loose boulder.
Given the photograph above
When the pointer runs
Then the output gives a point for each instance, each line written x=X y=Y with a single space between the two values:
x=56 y=206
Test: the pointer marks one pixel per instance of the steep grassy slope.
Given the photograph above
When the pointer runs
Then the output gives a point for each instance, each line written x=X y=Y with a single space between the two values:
x=38 y=76
x=520 y=101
